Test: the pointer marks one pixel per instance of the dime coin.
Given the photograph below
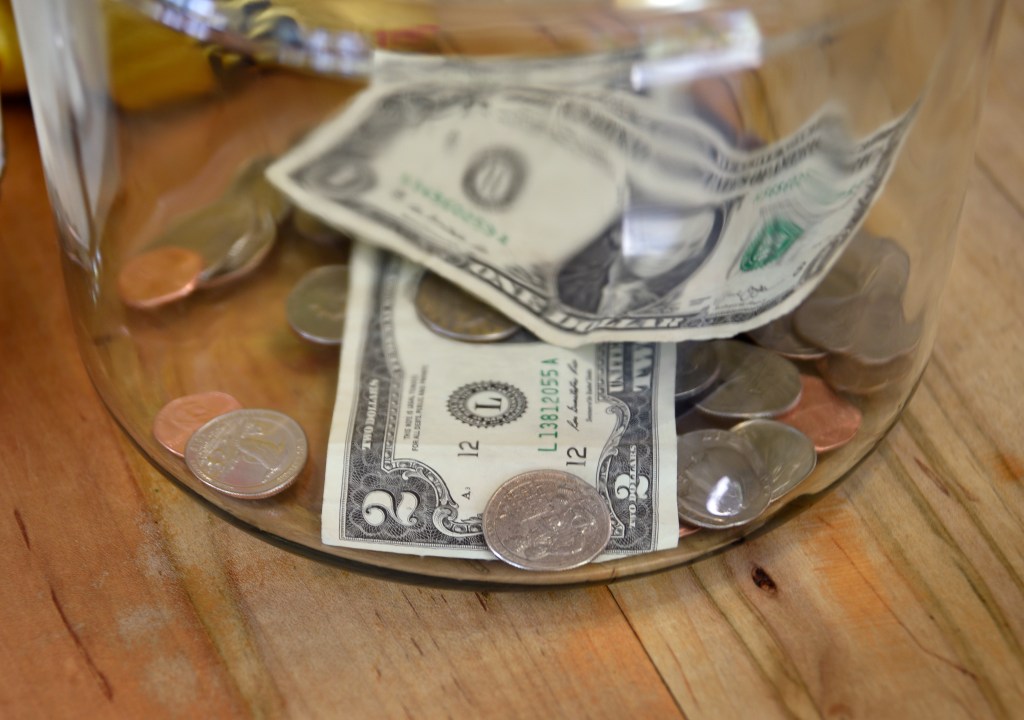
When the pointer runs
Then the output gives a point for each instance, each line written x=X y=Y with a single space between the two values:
x=779 y=337
x=455 y=314
x=847 y=374
x=316 y=305
x=312 y=228
x=216 y=230
x=159 y=276
x=787 y=452
x=181 y=417
x=754 y=383
x=546 y=520
x=697 y=368
x=248 y=454
x=722 y=482
x=828 y=420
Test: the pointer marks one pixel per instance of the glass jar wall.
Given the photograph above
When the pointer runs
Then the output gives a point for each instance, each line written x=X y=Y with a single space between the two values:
x=831 y=138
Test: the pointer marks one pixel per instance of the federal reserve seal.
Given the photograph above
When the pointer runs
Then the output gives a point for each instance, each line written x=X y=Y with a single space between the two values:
x=487 y=404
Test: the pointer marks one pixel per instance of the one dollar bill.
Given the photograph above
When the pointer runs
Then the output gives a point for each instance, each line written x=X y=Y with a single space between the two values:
x=426 y=428
x=592 y=216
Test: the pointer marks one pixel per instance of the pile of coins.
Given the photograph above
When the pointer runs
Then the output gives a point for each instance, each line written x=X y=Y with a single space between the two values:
x=753 y=414
x=213 y=246
x=247 y=454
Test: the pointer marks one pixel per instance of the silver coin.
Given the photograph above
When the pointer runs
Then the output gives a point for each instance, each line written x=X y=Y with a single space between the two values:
x=722 y=481
x=697 y=368
x=316 y=305
x=451 y=312
x=312 y=228
x=788 y=454
x=248 y=454
x=870 y=326
x=226 y=234
x=546 y=520
x=847 y=374
x=754 y=383
x=246 y=254
x=252 y=182
x=779 y=337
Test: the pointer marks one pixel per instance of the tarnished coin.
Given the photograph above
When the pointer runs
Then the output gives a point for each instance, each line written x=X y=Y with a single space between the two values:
x=754 y=382
x=697 y=368
x=316 y=305
x=248 y=454
x=546 y=520
x=312 y=228
x=847 y=374
x=226 y=234
x=181 y=417
x=159 y=276
x=787 y=453
x=779 y=337
x=454 y=313
x=828 y=420
x=722 y=482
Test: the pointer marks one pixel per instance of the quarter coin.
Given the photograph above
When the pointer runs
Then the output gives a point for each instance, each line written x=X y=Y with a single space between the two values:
x=697 y=368
x=722 y=481
x=159 y=276
x=248 y=454
x=788 y=454
x=754 y=382
x=828 y=420
x=453 y=313
x=316 y=305
x=181 y=417
x=546 y=520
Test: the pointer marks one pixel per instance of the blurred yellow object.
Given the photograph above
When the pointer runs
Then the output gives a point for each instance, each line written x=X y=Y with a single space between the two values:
x=12 y=72
x=151 y=65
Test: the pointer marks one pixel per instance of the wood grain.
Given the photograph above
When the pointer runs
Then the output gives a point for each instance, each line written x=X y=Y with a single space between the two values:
x=901 y=594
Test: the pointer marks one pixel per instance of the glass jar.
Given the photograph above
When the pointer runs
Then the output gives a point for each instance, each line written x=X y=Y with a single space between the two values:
x=788 y=173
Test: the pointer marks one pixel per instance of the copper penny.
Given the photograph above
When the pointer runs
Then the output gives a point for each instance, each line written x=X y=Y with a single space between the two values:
x=850 y=375
x=686 y=530
x=159 y=276
x=181 y=417
x=828 y=420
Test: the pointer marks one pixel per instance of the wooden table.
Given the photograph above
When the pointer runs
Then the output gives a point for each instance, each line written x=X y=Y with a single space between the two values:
x=901 y=594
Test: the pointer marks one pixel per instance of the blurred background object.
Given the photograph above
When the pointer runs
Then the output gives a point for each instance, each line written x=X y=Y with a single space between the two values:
x=12 y=72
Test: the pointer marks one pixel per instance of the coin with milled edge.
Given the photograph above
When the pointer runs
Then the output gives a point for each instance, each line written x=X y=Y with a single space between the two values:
x=247 y=454
x=828 y=420
x=778 y=336
x=722 y=481
x=159 y=276
x=754 y=382
x=316 y=305
x=787 y=453
x=452 y=313
x=546 y=520
x=181 y=417
x=697 y=368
